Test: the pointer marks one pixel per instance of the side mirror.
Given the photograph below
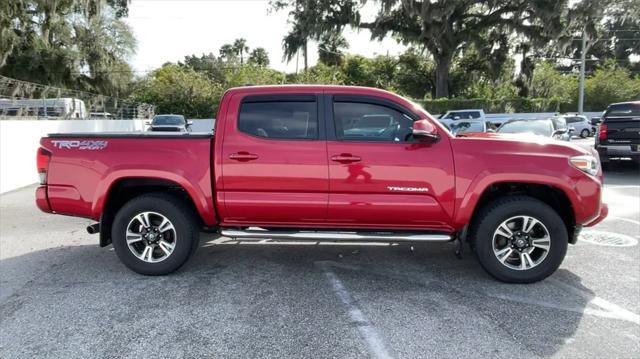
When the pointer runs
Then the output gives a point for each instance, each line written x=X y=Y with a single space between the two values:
x=147 y=123
x=559 y=132
x=425 y=131
x=491 y=130
x=189 y=123
x=572 y=129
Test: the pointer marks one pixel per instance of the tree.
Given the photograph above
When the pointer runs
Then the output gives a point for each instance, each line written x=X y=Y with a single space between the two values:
x=181 y=90
x=441 y=26
x=295 y=41
x=228 y=53
x=81 y=44
x=259 y=56
x=240 y=47
x=330 y=49
x=610 y=83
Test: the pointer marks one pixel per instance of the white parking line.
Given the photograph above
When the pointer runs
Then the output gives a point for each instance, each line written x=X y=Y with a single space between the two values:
x=615 y=310
x=368 y=332
x=615 y=218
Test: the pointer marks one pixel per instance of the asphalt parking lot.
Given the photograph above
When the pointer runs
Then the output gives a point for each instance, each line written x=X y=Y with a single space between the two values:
x=61 y=296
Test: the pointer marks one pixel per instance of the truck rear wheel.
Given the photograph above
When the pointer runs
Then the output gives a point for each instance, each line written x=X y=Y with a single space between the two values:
x=519 y=239
x=154 y=234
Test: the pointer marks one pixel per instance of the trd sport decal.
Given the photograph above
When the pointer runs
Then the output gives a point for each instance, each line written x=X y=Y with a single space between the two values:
x=81 y=145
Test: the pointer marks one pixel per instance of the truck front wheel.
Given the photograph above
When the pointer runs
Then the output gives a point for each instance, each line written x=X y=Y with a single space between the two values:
x=519 y=239
x=154 y=234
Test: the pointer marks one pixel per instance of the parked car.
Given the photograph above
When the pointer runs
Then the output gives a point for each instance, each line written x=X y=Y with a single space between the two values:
x=101 y=116
x=451 y=116
x=460 y=127
x=292 y=168
x=169 y=123
x=618 y=136
x=540 y=127
x=580 y=124
x=561 y=130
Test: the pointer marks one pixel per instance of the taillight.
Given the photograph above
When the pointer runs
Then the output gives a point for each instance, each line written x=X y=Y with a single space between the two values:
x=42 y=160
x=603 y=132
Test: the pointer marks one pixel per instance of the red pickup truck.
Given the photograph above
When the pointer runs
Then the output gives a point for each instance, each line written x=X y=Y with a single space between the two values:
x=328 y=163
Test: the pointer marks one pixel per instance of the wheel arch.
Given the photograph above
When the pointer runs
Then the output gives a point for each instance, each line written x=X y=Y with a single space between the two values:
x=123 y=189
x=553 y=195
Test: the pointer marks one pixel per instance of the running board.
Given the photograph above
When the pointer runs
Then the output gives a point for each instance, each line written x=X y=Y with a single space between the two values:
x=335 y=236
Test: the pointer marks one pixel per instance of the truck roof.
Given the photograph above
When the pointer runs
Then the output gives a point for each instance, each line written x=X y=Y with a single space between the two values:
x=306 y=87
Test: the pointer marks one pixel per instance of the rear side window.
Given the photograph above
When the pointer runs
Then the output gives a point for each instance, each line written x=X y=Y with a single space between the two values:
x=370 y=122
x=295 y=120
x=623 y=110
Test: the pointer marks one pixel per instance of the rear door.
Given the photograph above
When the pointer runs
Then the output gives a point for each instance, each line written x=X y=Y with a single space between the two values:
x=379 y=176
x=623 y=125
x=274 y=160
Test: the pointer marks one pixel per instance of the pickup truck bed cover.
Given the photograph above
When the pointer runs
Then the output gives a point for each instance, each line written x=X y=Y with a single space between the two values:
x=139 y=134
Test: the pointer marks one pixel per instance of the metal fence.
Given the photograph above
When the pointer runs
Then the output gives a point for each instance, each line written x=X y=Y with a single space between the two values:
x=28 y=100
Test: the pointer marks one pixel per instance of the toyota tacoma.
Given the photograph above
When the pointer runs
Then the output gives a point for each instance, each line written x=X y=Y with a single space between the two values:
x=325 y=163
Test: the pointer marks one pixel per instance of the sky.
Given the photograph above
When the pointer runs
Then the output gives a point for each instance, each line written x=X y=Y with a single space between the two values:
x=168 y=30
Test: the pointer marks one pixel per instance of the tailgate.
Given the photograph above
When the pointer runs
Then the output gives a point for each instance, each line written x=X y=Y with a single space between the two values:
x=623 y=130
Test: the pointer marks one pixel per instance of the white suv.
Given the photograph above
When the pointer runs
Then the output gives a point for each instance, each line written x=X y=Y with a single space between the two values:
x=580 y=124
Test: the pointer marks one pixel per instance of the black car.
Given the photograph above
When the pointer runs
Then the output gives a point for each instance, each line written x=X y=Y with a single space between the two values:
x=618 y=136
x=169 y=123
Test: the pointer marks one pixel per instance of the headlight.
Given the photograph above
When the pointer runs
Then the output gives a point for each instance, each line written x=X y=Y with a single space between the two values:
x=586 y=163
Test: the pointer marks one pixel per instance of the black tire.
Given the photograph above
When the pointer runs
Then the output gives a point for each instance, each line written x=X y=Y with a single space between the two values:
x=180 y=215
x=585 y=133
x=493 y=214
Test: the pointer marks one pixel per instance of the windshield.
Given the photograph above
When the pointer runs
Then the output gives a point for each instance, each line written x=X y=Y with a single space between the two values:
x=538 y=127
x=624 y=109
x=171 y=120
x=466 y=126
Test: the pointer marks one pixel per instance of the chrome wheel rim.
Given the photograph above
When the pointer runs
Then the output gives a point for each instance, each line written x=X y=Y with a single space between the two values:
x=151 y=237
x=521 y=242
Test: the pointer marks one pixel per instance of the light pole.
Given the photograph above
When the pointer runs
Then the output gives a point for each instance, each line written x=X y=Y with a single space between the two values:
x=582 y=61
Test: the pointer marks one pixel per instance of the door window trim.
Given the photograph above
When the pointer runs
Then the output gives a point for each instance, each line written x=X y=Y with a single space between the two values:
x=272 y=98
x=332 y=127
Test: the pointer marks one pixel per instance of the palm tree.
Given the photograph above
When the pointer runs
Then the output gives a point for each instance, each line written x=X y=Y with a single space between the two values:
x=228 y=52
x=259 y=56
x=240 y=46
x=296 y=40
x=329 y=49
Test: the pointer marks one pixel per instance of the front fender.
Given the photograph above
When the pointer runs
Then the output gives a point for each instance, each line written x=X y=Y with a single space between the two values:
x=468 y=202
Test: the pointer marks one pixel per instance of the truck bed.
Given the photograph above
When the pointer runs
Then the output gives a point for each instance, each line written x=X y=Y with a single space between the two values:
x=85 y=167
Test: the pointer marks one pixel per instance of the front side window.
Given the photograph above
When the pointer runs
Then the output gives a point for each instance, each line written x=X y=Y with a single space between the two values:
x=279 y=119
x=370 y=122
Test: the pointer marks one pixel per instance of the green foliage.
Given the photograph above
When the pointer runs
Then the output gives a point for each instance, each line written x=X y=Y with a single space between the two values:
x=330 y=49
x=181 y=90
x=80 y=44
x=609 y=84
x=259 y=56
x=548 y=82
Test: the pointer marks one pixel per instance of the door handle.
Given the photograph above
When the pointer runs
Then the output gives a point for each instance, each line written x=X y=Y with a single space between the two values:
x=345 y=158
x=243 y=156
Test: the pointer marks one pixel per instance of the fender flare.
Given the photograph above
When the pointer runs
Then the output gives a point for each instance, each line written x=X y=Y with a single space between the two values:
x=467 y=204
x=196 y=193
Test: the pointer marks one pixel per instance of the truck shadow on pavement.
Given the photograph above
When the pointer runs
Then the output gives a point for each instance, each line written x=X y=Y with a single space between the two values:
x=253 y=300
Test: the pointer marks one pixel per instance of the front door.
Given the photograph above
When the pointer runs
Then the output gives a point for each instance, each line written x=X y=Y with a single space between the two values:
x=274 y=161
x=379 y=176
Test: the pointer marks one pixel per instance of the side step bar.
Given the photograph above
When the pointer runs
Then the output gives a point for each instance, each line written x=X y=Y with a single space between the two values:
x=336 y=236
